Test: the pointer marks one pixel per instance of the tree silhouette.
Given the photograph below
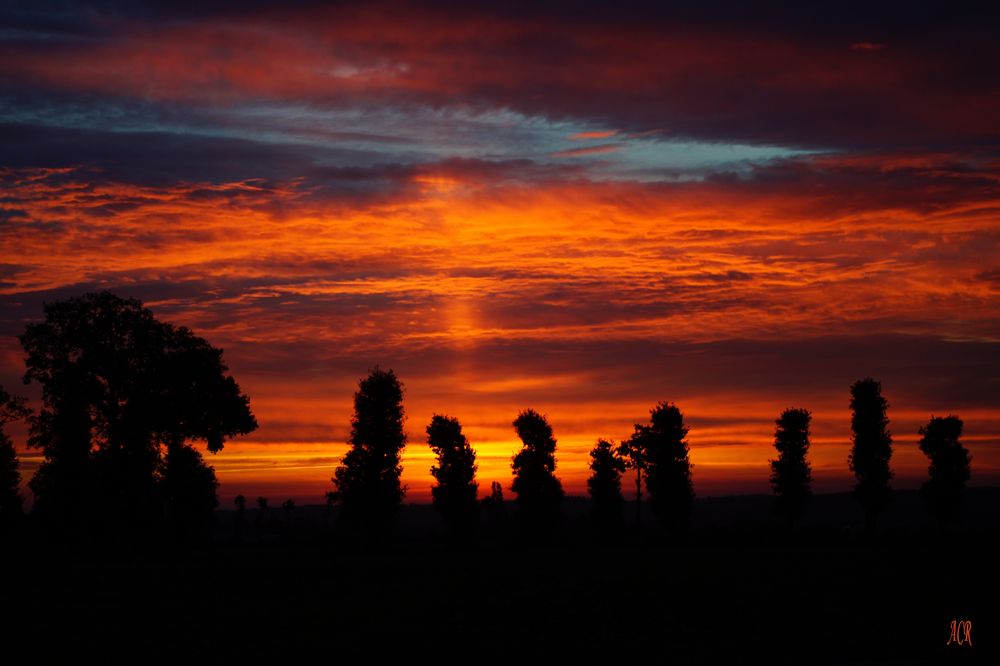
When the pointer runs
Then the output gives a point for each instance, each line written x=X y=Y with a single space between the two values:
x=123 y=394
x=943 y=493
x=12 y=408
x=188 y=488
x=539 y=492
x=668 y=470
x=367 y=480
x=494 y=506
x=871 y=450
x=288 y=507
x=241 y=512
x=790 y=473
x=632 y=452
x=331 y=500
x=455 y=472
x=63 y=484
x=263 y=511
x=605 y=486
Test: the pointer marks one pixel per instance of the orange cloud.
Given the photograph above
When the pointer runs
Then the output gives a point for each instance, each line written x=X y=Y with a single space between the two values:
x=589 y=301
x=582 y=136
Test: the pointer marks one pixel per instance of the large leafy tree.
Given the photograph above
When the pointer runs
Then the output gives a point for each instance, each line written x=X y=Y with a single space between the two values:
x=943 y=493
x=539 y=492
x=791 y=476
x=605 y=486
x=367 y=481
x=124 y=395
x=871 y=448
x=12 y=408
x=455 y=473
x=664 y=451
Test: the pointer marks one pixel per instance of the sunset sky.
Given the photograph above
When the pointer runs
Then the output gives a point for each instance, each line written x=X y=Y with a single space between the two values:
x=585 y=209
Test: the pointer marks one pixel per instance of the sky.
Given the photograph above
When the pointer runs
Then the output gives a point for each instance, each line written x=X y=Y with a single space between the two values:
x=585 y=209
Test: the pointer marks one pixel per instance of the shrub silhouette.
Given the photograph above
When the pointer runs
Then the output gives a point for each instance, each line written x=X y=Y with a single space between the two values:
x=288 y=508
x=790 y=473
x=605 y=486
x=871 y=450
x=12 y=408
x=493 y=505
x=123 y=392
x=455 y=472
x=260 y=520
x=664 y=450
x=367 y=480
x=539 y=492
x=239 y=523
x=943 y=494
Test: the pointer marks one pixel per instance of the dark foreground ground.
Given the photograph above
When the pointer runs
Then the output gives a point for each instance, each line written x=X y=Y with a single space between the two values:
x=737 y=590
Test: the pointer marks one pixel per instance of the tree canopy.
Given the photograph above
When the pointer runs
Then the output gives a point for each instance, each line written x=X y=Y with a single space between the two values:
x=539 y=492
x=871 y=448
x=454 y=496
x=662 y=447
x=605 y=486
x=123 y=394
x=790 y=473
x=367 y=482
x=943 y=493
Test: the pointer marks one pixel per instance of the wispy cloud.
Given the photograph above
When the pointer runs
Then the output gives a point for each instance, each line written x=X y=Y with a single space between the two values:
x=602 y=149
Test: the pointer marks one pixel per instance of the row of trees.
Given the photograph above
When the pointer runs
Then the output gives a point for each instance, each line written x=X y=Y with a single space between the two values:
x=368 y=480
x=124 y=395
x=869 y=459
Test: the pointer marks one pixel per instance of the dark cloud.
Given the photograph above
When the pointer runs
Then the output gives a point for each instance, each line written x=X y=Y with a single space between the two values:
x=165 y=158
x=782 y=75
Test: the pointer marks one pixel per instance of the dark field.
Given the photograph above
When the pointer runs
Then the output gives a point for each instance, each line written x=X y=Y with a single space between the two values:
x=738 y=589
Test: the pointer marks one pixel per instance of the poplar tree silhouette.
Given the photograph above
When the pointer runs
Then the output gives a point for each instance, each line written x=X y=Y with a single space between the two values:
x=539 y=492
x=367 y=480
x=605 y=486
x=668 y=471
x=455 y=472
x=790 y=473
x=871 y=450
x=943 y=494
x=123 y=394
x=12 y=408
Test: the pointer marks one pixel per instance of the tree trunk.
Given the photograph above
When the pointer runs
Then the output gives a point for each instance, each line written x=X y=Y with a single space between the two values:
x=638 y=497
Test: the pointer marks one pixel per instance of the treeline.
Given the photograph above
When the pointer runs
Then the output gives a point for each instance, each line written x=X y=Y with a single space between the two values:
x=124 y=396
x=368 y=480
